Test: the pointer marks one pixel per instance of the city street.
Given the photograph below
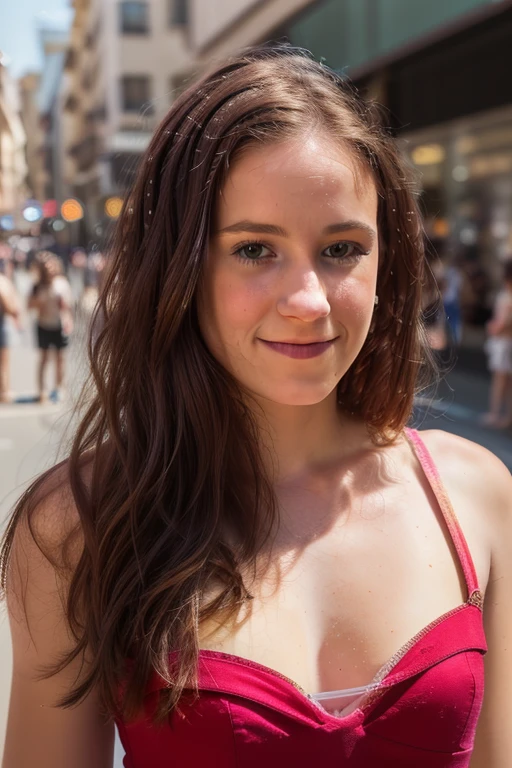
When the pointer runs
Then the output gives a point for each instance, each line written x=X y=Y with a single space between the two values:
x=32 y=436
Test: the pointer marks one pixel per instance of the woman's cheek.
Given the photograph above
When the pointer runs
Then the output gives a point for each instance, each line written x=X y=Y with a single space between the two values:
x=353 y=302
x=241 y=303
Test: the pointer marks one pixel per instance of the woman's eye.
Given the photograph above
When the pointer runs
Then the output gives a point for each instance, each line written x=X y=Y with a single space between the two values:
x=344 y=251
x=252 y=252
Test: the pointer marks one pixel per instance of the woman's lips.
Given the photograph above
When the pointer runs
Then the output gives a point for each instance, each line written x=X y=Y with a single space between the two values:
x=299 y=351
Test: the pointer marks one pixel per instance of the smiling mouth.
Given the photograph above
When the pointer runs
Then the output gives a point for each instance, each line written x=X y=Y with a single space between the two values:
x=300 y=351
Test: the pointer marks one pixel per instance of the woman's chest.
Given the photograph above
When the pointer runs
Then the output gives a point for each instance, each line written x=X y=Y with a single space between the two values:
x=337 y=601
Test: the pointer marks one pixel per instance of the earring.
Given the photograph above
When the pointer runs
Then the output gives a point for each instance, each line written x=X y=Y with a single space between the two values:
x=376 y=301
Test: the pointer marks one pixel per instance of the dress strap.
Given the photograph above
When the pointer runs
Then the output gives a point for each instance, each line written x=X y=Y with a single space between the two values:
x=452 y=523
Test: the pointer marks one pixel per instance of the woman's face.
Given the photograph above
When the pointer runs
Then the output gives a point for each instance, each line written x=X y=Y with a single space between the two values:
x=289 y=284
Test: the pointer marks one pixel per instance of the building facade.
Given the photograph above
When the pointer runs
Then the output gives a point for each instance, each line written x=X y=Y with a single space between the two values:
x=121 y=75
x=54 y=44
x=13 y=167
x=219 y=28
x=36 y=176
x=124 y=65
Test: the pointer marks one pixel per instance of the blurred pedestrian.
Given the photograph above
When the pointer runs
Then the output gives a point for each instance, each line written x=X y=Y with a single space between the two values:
x=9 y=307
x=452 y=284
x=52 y=299
x=475 y=295
x=433 y=314
x=248 y=557
x=499 y=349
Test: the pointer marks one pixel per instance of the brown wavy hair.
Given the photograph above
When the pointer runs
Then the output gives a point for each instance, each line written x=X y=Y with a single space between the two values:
x=171 y=443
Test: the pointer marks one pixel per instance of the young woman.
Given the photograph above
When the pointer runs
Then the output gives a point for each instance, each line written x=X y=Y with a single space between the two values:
x=247 y=559
x=52 y=299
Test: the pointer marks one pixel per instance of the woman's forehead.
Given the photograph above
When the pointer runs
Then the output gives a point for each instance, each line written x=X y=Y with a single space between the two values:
x=316 y=174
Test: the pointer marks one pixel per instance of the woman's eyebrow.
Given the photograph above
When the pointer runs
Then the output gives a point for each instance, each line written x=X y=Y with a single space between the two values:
x=272 y=229
x=344 y=226
x=253 y=226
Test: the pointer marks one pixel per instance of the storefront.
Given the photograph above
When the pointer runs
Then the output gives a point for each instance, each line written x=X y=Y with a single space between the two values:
x=465 y=171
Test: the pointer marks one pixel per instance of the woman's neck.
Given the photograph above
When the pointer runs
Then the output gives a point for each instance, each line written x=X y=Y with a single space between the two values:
x=298 y=440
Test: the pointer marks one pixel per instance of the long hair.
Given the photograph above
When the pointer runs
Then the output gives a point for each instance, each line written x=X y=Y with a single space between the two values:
x=171 y=443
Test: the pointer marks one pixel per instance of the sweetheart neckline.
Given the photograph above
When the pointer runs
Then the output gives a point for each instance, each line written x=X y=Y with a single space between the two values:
x=378 y=682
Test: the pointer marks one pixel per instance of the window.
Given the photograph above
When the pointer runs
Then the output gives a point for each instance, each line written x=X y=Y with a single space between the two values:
x=134 y=18
x=136 y=93
x=178 y=12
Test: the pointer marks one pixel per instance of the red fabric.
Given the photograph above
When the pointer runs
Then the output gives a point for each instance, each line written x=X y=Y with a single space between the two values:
x=247 y=716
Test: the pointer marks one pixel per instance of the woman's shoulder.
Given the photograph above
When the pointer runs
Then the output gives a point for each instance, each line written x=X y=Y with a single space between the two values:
x=479 y=487
x=49 y=659
x=46 y=518
x=470 y=470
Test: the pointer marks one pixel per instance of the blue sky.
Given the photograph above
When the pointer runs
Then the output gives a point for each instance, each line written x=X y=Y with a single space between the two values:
x=19 y=41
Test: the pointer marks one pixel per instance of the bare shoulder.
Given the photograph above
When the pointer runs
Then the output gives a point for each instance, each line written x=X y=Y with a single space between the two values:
x=44 y=531
x=41 y=550
x=49 y=509
x=472 y=472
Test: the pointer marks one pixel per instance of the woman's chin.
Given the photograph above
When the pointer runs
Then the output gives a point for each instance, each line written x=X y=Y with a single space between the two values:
x=303 y=397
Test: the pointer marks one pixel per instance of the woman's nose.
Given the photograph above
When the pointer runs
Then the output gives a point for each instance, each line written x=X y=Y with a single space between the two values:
x=304 y=297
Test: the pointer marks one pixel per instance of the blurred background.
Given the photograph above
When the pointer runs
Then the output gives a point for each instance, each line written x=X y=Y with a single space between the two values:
x=84 y=84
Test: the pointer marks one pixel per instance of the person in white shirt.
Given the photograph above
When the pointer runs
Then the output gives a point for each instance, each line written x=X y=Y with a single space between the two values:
x=52 y=299
x=499 y=349
x=452 y=286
